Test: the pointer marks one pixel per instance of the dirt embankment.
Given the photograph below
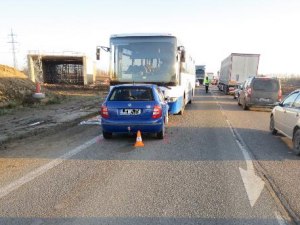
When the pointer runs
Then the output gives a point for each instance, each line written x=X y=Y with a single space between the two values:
x=16 y=89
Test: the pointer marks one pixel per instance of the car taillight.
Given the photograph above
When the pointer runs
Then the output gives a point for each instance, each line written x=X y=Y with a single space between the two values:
x=249 y=92
x=104 y=112
x=156 y=112
x=280 y=95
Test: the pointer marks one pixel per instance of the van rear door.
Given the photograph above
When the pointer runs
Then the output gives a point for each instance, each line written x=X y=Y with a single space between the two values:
x=265 y=91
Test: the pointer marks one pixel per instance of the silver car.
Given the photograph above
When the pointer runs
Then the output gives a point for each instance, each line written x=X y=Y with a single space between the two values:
x=285 y=119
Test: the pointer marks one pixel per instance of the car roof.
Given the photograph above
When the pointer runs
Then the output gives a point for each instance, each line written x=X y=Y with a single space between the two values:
x=298 y=90
x=136 y=85
x=269 y=78
x=142 y=35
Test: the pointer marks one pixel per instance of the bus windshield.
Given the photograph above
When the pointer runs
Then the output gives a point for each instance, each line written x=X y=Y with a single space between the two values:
x=143 y=59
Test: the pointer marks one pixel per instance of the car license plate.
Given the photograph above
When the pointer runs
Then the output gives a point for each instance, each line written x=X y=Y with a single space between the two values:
x=130 y=112
x=264 y=100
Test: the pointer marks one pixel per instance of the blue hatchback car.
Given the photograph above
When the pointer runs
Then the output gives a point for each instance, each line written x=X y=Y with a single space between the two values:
x=132 y=107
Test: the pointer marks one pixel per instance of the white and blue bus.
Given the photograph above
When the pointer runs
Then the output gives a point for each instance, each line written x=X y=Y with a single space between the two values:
x=153 y=58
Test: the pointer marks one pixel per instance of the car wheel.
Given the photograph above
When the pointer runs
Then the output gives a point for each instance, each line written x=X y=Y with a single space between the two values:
x=272 y=126
x=225 y=90
x=296 y=141
x=161 y=134
x=245 y=107
x=234 y=96
x=107 y=135
x=239 y=103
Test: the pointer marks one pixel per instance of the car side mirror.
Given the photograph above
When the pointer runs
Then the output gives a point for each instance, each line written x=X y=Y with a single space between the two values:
x=280 y=104
x=167 y=99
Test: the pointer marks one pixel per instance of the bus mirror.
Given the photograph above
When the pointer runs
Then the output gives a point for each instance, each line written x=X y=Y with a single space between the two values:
x=107 y=49
x=182 y=56
x=98 y=53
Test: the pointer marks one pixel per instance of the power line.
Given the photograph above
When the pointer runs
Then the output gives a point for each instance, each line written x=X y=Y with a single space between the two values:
x=13 y=42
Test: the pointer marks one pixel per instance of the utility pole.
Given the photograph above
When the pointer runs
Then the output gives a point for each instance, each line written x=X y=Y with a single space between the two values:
x=13 y=42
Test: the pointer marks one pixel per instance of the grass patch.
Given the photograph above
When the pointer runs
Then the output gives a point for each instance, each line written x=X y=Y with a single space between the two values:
x=54 y=100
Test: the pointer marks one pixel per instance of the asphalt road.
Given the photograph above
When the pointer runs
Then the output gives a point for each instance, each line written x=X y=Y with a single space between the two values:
x=196 y=175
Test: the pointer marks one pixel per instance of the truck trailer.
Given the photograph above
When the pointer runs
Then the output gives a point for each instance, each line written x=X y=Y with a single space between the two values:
x=235 y=69
x=200 y=73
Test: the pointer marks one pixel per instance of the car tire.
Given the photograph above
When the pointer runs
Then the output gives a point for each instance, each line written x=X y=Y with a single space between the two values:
x=296 y=142
x=161 y=134
x=225 y=90
x=238 y=101
x=107 y=135
x=234 y=96
x=272 y=126
x=245 y=107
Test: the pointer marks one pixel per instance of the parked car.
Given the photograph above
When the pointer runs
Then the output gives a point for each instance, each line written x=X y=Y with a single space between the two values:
x=285 y=119
x=130 y=108
x=260 y=92
x=236 y=91
x=197 y=83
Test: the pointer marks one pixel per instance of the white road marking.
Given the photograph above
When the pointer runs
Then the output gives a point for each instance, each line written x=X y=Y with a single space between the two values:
x=43 y=169
x=279 y=218
x=254 y=185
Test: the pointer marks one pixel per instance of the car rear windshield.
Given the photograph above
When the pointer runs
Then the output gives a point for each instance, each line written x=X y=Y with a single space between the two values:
x=267 y=85
x=131 y=94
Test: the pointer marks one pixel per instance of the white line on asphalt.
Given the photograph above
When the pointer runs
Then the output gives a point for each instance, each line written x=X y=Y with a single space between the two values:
x=41 y=170
x=253 y=184
x=279 y=218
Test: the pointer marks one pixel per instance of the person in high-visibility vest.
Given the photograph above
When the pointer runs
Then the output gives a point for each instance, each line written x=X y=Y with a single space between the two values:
x=206 y=83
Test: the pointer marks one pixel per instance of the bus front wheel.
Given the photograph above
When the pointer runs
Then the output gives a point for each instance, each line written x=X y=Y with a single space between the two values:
x=191 y=100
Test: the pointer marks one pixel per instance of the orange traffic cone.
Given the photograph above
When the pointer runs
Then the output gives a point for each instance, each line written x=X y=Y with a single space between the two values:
x=139 y=141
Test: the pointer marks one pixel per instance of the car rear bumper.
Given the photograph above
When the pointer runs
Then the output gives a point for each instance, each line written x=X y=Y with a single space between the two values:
x=261 y=105
x=121 y=126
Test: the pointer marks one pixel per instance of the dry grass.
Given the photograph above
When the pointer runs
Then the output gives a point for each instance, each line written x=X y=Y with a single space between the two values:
x=289 y=84
x=17 y=90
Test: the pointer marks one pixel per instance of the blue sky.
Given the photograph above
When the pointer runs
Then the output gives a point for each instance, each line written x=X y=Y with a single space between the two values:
x=210 y=29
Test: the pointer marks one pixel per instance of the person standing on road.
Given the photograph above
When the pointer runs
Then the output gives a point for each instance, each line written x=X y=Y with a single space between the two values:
x=206 y=83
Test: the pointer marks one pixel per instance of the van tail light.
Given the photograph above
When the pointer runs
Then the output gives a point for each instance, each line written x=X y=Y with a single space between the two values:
x=104 y=112
x=249 y=92
x=280 y=95
x=156 y=112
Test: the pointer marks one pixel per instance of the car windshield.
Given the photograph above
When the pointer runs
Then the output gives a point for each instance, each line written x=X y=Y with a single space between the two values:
x=266 y=85
x=144 y=59
x=131 y=94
